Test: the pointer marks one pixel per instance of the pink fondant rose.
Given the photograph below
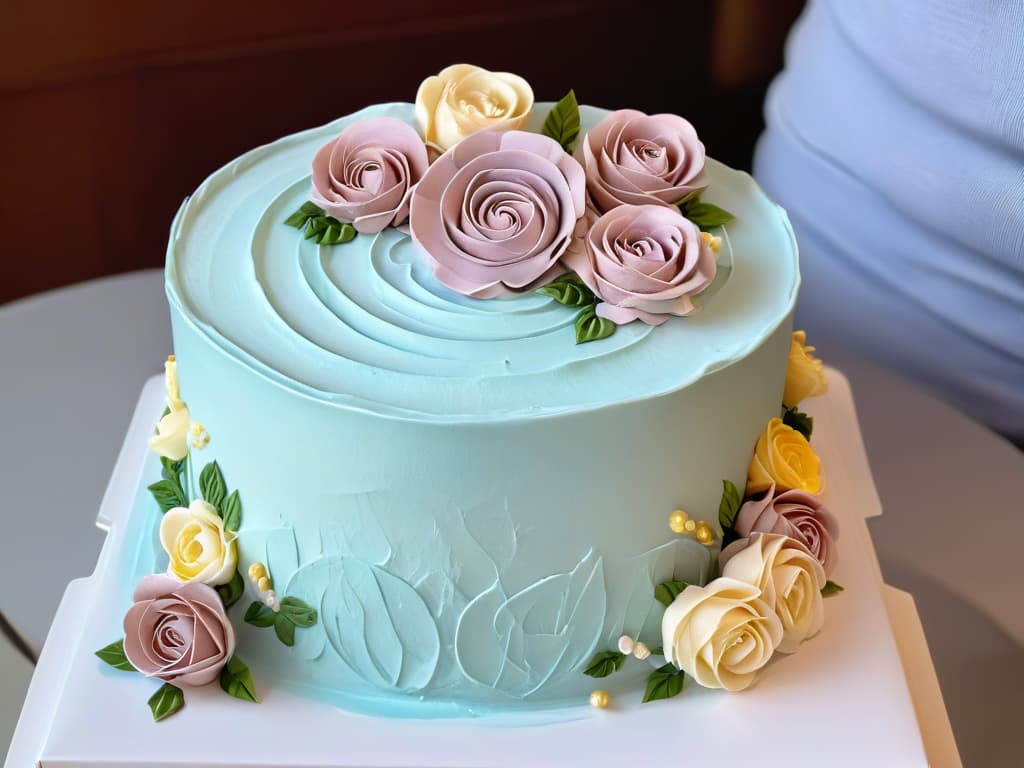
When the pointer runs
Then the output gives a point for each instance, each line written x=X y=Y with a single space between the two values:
x=638 y=159
x=178 y=633
x=364 y=176
x=645 y=262
x=797 y=514
x=495 y=212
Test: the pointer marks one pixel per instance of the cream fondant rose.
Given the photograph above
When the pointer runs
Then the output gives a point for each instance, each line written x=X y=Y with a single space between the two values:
x=494 y=214
x=178 y=633
x=797 y=514
x=783 y=457
x=171 y=438
x=720 y=634
x=805 y=374
x=463 y=99
x=199 y=547
x=645 y=262
x=365 y=175
x=790 y=579
x=637 y=159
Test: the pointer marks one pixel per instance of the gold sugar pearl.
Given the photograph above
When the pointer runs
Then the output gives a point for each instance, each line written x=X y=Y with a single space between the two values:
x=263 y=584
x=677 y=521
x=600 y=699
x=171 y=358
x=257 y=571
x=704 y=534
x=690 y=526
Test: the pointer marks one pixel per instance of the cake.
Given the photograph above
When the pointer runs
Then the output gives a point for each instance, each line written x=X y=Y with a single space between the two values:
x=446 y=451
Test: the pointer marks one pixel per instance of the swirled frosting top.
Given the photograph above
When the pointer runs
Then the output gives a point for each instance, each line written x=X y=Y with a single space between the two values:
x=365 y=325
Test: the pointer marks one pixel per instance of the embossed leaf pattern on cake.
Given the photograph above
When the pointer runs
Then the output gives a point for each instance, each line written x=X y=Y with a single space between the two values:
x=516 y=644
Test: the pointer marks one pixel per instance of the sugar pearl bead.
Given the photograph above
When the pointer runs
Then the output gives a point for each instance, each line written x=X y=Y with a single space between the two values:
x=626 y=644
x=641 y=651
x=600 y=699
x=257 y=571
x=705 y=534
x=264 y=584
x=677 y=521
x=690 y=526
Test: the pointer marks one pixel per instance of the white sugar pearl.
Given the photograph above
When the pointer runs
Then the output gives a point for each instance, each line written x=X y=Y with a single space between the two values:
x=641 y=651
x=626 y=644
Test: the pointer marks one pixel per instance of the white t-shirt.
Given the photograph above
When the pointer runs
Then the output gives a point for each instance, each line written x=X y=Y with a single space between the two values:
x=895 y=139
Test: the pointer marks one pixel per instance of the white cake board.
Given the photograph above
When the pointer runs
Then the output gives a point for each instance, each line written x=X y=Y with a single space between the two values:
x=846 y=698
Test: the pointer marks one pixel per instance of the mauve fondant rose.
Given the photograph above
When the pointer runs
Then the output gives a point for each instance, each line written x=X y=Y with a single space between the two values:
x=797 y=514
x=645 y=261
x=364 y=176
x=495 y=212
x=178 y=633
x=640 y=159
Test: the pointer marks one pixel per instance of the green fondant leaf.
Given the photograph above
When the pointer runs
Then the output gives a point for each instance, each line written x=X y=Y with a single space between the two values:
x=212 y=486
x=300 y=613
x=563 y=121
x=666 y=592
x=688 y=198
x=590 y=327
x=232 y=591
x=604 y=663
x=831 y=588
x=706 y=215
x=569 y=290
x=798 y=420
x=729 y=506
x=171 y=469
x=259 y=615
x=113 y=655
x=166 y=701
x=285 y=629
x=305 y=212
x=168 y=494
x=232 y=512
x=319 y=227
x=236 y=680
x=664 y=683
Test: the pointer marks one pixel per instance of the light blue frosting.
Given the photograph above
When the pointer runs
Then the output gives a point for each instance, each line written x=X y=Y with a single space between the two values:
x=474 y=503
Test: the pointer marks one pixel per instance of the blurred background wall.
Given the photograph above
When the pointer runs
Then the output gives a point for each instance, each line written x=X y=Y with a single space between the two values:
x=111 y=112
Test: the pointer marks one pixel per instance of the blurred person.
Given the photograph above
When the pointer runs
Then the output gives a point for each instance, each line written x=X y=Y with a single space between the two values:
x=895 y=140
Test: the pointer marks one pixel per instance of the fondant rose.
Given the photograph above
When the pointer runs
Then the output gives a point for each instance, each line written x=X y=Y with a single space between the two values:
x=805 y=374
x=463 y=99
x=637 y=159
x=199 y=547
x=783 y=457
x=790 y=579
x=364 y=176
x=797 y=514
x=495 y=213
x=178 y=633
x=720 y=634
x=645 y=262
x=171 y=439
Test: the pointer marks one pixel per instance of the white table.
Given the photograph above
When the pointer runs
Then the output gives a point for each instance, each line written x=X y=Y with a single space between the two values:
x=72 y=363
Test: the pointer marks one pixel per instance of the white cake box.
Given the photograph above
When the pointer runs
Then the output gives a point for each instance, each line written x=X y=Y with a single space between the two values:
x=862 y=692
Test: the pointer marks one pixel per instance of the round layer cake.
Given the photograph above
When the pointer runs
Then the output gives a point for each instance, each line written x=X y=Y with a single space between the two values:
x=474 y=503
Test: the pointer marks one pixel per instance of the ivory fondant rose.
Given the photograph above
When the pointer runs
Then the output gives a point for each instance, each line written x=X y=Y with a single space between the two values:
x=199 y=547
x=805 y=375
x=720 y=634
x=364 y=176
x=637 y=159
x=797 y=514
x=495 y=213
x=645 y=262
x=171 y=439
x=463 y=99
x=790 y=579
x=783 y=457
x=178 y=633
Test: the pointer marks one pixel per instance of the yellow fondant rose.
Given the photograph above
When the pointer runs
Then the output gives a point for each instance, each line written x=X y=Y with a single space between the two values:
x=784 y=457
x=805 y=375
x=790 y=579
x=463 y=99
x=720 y=634
x=171 y=439
x=199 y=547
